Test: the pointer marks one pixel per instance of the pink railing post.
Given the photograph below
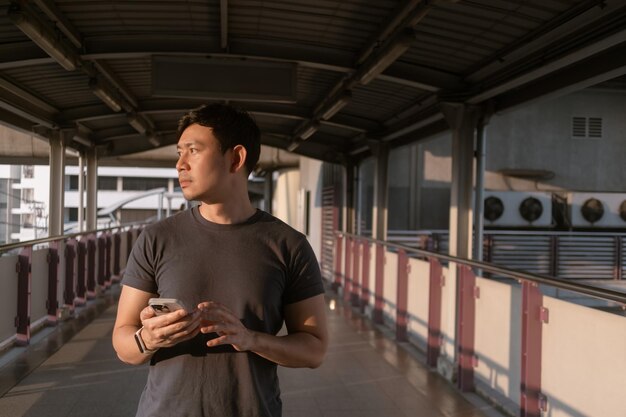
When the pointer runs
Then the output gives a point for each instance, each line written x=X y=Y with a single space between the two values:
x=81 y=284
x=533 y=316
x=466 y=324
x=379 y=300
x=434 y=312
x=52 y=304
x=338 y=255
x=365 y=275
x=22 y=320
x=402 y=296
x=91 y=267
x=69 y=295
x=101 y=248
x=347 y=278
x=107 y=260
x=356 y=284
x=117 y=242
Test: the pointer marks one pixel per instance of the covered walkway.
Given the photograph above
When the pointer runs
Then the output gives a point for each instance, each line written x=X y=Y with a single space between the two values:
x=365 y=374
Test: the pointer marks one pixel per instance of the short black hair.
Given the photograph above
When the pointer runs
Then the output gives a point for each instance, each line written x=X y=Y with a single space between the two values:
x=231 y=127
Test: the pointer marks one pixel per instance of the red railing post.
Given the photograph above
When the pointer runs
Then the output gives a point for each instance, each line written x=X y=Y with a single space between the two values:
x=52 y=304
x=434 y=312
x=402 y=296
x=338 y=255
x=347 y=278
x=379 y=300
x=22 y=320
x=101 y=247
x=365 y=274
x=107 y=259
x=466 y=324
x=356 y=284
x=81 y=284
x=117 y=242
x=69 y=295
x=91 y=267
x=533 y=316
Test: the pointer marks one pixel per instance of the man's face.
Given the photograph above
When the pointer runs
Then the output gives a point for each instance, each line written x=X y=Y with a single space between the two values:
x=203 y=170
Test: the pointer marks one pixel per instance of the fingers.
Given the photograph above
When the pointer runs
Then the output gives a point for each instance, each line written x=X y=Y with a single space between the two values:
x=169 y=329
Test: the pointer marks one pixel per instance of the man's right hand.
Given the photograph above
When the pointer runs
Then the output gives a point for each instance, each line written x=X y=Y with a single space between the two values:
x=169 y=329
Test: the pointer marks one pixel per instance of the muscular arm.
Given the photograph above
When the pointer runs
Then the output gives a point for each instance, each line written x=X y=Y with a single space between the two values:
x=162 y=331
x=304 y=345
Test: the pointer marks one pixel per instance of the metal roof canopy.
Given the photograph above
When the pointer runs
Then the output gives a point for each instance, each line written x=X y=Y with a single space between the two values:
x=362 y=72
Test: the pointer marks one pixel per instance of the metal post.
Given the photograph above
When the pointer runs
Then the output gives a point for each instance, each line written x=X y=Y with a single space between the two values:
x=347 y=277
x=70 y=255
x=52 y=304
x=402 y=304
x=338 y=255
x=22 y=320
x=533 y=316
x=365 y=275
x=379 y=300
x=117 y=242
x=81 y=287
x=356 y=284
x=91 y=268
x=381 y=187
x=466 y=326
x=434 y=312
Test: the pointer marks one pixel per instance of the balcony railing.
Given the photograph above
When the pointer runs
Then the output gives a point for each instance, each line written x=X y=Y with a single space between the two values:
x=506 y=339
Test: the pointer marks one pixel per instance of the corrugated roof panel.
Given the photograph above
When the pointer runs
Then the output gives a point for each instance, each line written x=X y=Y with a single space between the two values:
x=379 y=100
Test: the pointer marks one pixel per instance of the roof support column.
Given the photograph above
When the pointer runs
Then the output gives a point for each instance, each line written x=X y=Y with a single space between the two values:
x=381 y=187
x=92 y=188
x=81 y=191
x=463 y=120
x=57 y=176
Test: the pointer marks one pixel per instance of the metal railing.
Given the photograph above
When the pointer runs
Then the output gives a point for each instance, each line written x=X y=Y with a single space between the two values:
x=355 y=266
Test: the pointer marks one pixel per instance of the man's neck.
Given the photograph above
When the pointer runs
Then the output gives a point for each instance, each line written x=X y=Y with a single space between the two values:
x=224 y=213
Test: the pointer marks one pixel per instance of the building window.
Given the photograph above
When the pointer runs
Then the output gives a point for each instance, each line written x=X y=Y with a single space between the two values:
x=71 y=183
x=587 y=127
x=143 y=184
x=107 y=183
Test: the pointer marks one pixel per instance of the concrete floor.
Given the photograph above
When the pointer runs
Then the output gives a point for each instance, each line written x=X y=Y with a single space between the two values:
x=365 y=374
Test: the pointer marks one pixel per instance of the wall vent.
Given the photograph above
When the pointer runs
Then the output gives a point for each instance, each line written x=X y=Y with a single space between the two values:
x=587 y=127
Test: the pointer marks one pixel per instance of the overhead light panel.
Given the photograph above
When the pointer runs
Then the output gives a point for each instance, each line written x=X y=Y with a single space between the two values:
x=137 y=122
x=105 y=94
x=388 y=55
x=154 y=140
x=44 y=37
x=293 y=145
x=309 y=131
x=337 y=105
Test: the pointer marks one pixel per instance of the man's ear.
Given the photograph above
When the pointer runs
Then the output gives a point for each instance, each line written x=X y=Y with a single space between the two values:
x=238 y=160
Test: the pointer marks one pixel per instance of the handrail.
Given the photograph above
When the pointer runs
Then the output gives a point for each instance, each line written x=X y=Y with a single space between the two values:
x=605 y=294
x=10 y=246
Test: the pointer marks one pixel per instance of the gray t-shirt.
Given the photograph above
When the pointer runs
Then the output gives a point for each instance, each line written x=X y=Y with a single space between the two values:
x=254 y=268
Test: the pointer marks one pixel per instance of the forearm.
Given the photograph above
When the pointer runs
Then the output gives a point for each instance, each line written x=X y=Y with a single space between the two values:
x=126 y=347
x=295 y=350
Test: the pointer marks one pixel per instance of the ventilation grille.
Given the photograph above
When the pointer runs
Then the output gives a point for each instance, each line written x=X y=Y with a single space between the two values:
x=587 y=127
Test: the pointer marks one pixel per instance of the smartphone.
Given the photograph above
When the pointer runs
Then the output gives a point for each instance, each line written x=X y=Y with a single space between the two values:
x=166 y=305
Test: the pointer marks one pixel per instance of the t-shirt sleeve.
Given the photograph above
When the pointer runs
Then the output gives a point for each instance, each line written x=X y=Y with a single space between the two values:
x=140 y=268
x=305 y=278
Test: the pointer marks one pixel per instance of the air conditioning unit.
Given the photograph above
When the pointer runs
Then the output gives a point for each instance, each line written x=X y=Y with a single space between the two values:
x=517 y=208
x=597 y=209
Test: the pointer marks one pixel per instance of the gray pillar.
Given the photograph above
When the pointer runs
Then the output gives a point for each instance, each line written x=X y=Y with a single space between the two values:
x=381 y=188
x=81 y=192
x=463 y=120
x=57 y=177
x=268 y=192
x=92 y=189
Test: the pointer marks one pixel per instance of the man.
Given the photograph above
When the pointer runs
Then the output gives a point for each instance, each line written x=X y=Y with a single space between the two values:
x=240 y=272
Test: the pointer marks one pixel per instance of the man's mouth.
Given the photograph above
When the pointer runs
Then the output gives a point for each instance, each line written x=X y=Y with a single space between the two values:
x=184 y=182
